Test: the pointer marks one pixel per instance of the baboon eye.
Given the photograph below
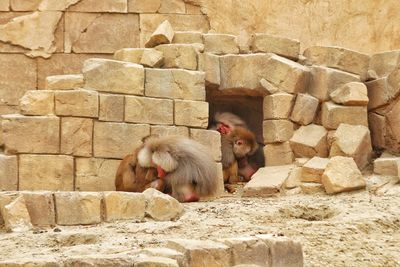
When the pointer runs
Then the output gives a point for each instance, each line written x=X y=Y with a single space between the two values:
x=239 y=142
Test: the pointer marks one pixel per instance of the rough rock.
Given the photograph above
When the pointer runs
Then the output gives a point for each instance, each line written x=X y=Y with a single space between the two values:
x=133 y=55
x=37 y=102
x=351 y=94
x=58 y=5
x=209 y=138
x=16 y=216
x=309 y=141
x=266 y=43
x=98 y=260
x=314 y=168
x=162 y=35
x=124 y=206
x=312 y=188
x=191 y=113
x=169 y=130
x=79 y=102
x=269 y=88
x=304 y=109
x=181 y=56
x=187 y=37
x=165 y=252
x=248 y=250
x=387 y=166
x=278 y=106
x=76 y=136
x=149 y=110
x=41 y=209
x=382 y=91
x=332 y=115
x=162 y=207
x=377 y=126
x=152 y=58
x=64 y=82
x=220 y=44
x=293 y=179
x=8 y=173
x=277 y=131
x=111 y=6
x=382 y=64
x=278 y=154
x=209 y=63
x=111 y=107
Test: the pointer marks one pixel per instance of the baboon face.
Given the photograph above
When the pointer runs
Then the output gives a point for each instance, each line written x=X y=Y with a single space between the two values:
x=241 y=147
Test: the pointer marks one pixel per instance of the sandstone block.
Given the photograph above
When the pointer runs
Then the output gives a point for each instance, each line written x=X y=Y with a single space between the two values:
x=111 y=107
x=117 y=146
x=187 y=37
x=332 y=115
x=309 y=141
x=267 y=181
x=133 y=55
x=158 y=6
x=278 y=106
x=301 y=161
x=64 y=82
x=162 y=35
x=377 y=126
x=209 y=138
x=156 y=261
x=112 y=6
x=152 y=58
x=8 y=173
x=220 y=44
x=351 y=94
x=165 y=252
x=314 y=168
x=338 y=58
x=304 y=109
x=162 y=207
x=40 y=206
x=269 y=88
x=352 y=141
x=248 y=250
x=181 y=56
x=79 y=103
x=312 y=188
x=277 y=131
x=76 y=136
x=31 y=134
x=95 y=174
x=5 y=199
x=46 y=172
x=278 y=154
x=209 y=63
x=293 y=179
x=382 y=64
x=285 y=47
x=124 y=206
x=5 y=5
x=382 y=91
x=100 y=260
x=387 y=166
x=169 y=130
x=191 y=113
x=114 y=76
x=392 y=136
x=175 y=84
x=341 y=175
x=325 y=80
x=31 y=261
x=149 y=110
x=37 y=102
x=16 y=216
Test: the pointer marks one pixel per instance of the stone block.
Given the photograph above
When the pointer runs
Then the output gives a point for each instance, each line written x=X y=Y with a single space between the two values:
x=181 y=56
x=309 y=141
x=37 y=102
x=341 y=175
x=41 y=209
x=75 y=208
x=133 y=55
x=304 y=109
x=325 y=80
x=76 y=136
x=162 y=35
x=338 y=58
x=301 y=161
x=293 y=179
x=95 y=174
x=117 y=146
x=277 y=131
x=387 y=166
x=332 y=115
x=162 y=207
x=382 y=64
x=8 y=173
x=191 y=113
x=314 y=168
x=111 y=107
x=156 y=261
x=152 y=58
x=187 y=37
x=22 y=5
x=31 y=261
x=220 y=44
x=157 y=6
x=377 y=126
x=16 y=216
x=124 y=206
x=111 y=6
x=78 y=103
x=175 y=84
x=166 y=253
x=351 y=94
x=114 y=76
x=46 y=172
x=278 y=154
x=209 y=138
x=267 y=181
x=266 y=43
x=64 y=82
x=312 y=188
x=382 y=91
x=392 y=136
x=278 y=106
x=248 y=250
x=149 y=110
x=99 y=260
x=209 y=63
x=31 y=134
x=162 y=130
x=352 y=141
x=268 y=87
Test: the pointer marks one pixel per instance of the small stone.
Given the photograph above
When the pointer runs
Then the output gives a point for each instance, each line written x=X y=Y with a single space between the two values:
x=285 y=47
x=309 y=141
x=149 y=110
x=278 y=154
x=8 y=173
x=312 y=188
x=293 y=179
x=124 y=206
x=248 y=250
x=277 y=131
x=181 y=56
x=220 y=44
x=191 y=113
x=64 y=82
x=162 y=35
x=152 y=58
x=41 y=209
x=78 y=103
x=314 y=168
x=209 y=138
x=351 y=94
x=189 y=37
x=37 y=102
x=76 y=136
x=333 y=115
x=162 y=207
x=16 y=216
x=111 y=107
x=304 y=109
x=387 y=166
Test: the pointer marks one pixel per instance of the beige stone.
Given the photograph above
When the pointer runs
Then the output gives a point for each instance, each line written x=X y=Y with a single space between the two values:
x=206 y=253
x=94 y=33
x=16 y=216
x=314 y=168
x=380 y=92
x=351 y=94
x=382 y=64
x=209 y=138
x=169 y=130
x=152 y=58
x=41 y=209
x=377 y=126
x=393 y=132
x=74 y=208
x=312 y=188
x=304 y=109
x=76 y=136
x=112 y=6
x=64 y=82
x=339 y=58
x=133 y=55
x=220 y=44
x=181 y=56
x=267 y=181
x=332 y=115
x=162 y=35
x=95 y=174
x=156 y=261
x=5 y=5
x=124 y=206
x=301 y=161
x=114 y=76
x=187 y=37
x=24 y=134
x=325 y=80
x=149 y=110
x=167 y=253
x=293 y=179
x=278 y=154
x=266 y=43
x=79 y=102
x=162 y=207
x=8 y=173
x=309 y=141
x=352 y=141
x=5 y=199
x=269 y=88
x=117 y=147
x=387 y=166
x=209 y=63
x=278 y=106
x=191 y=113
x=277 y=131
x=248 y=250
x=341 y=175
x=111 y=107
x=175 y=84
x=37 y=102
x=31 y=261
x=46 y=172
x=58 y=5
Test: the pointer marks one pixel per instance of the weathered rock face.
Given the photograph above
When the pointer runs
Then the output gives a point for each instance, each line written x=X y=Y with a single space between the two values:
x=162 y=207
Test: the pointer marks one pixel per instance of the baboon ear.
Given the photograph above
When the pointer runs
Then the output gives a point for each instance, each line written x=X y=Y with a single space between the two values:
x=254 y=149
x=151 y=136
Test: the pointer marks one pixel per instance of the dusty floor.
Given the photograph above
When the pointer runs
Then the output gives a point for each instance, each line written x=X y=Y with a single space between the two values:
x=355 y=229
